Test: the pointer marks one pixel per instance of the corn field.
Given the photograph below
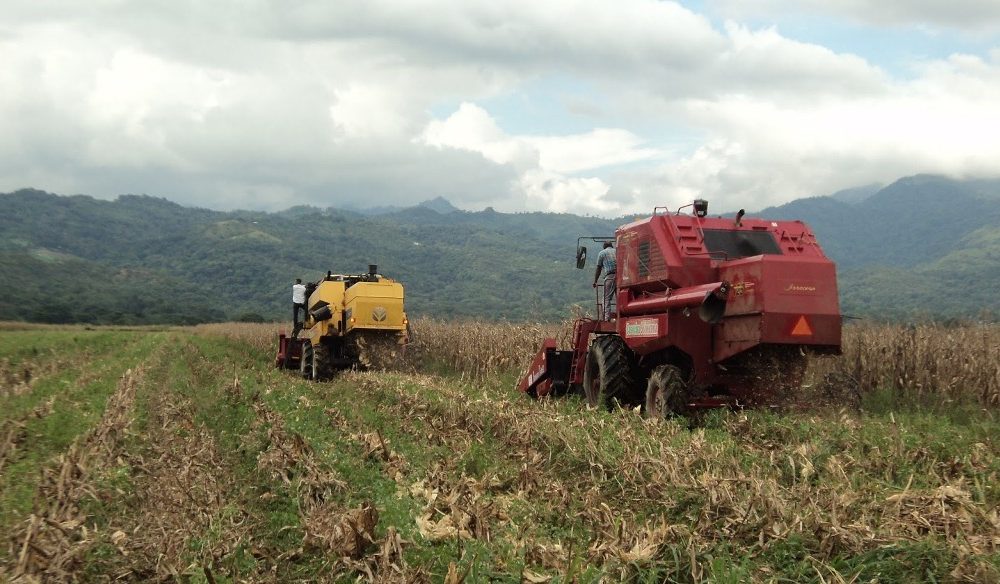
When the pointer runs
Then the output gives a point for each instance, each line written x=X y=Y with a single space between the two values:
x=926 y=361
x=182 y=454
x=929 y=362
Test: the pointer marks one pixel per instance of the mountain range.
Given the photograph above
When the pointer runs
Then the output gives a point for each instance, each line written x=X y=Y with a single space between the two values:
x=924 y=246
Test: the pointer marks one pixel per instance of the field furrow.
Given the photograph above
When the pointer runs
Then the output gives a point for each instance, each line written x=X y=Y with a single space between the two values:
x=62 y=405
x=183 y=455
x=56 y=533
x=634 y=489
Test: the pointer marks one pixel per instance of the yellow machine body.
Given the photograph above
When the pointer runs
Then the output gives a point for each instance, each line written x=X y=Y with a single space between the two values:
x=354 y=321
x=353 y=306
x=375 y=305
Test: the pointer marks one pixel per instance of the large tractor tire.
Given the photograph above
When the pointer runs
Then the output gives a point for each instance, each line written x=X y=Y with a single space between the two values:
x=322 y=366
x=315 y=363
x=609 y=375
x=666 y=393
x=306 y=361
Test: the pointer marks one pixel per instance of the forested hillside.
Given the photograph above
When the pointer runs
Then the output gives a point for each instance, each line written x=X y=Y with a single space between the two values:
x=923 y=246
x=140 y=259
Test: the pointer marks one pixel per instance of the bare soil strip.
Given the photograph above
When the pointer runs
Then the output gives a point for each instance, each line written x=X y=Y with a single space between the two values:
x=181 y=489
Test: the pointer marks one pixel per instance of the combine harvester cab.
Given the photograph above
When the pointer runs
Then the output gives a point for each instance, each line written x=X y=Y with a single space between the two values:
x=710 y=312
x=352 y=321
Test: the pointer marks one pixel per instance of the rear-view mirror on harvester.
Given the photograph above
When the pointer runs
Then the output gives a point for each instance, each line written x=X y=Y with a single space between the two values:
x=581 y=256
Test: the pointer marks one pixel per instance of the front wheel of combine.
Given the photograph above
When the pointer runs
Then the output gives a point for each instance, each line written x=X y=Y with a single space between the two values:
x=608 y=375
x=322 y=367
x=315 y=362
x=306 y=361
x=666 y=393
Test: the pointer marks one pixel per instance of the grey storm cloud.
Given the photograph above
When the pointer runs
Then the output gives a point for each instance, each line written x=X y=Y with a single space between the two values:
x=974 y=15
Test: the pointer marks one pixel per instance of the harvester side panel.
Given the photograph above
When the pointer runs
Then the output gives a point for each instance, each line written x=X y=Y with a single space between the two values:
x=330 y=294
x=649 y=335
x=661 y=252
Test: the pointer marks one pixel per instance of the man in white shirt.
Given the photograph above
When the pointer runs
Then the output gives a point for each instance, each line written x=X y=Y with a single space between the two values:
x=298 y=300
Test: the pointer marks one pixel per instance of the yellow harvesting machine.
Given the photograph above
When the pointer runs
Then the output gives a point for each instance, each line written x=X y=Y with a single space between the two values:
x=351 y=321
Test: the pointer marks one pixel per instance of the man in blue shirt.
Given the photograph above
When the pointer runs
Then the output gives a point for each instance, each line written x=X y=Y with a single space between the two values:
x=606 y=260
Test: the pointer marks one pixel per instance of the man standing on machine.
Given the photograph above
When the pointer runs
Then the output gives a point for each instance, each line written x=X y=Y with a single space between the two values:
x=606 y=260
x=298 y=301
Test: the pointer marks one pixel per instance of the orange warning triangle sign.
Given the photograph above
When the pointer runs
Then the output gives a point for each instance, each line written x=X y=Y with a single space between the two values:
x=802 y=328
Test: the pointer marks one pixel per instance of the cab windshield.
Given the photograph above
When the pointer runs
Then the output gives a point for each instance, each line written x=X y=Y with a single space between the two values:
x=741 y=244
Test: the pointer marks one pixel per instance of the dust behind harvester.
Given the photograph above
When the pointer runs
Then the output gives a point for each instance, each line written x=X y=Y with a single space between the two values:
x=710 y=311
x=351 y=321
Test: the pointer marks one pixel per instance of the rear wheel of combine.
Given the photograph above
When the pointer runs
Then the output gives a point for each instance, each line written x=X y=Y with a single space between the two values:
x=666 y=393
x=608 y=375
x=306 y=362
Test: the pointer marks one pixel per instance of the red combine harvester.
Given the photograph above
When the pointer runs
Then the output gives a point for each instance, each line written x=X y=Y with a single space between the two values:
x=710 y=312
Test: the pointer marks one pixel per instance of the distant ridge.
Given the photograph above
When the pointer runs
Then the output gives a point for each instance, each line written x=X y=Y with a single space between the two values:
x=857 y=194
x=923 y=246
x=437 y=204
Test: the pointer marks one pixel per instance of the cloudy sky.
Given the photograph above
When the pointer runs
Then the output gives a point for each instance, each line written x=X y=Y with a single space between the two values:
x=588 y=106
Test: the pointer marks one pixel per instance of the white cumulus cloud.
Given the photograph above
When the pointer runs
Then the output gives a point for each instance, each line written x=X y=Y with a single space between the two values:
x=630 y=104
x=547 y=164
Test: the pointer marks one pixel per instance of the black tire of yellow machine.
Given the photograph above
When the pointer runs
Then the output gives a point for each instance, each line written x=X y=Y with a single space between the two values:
x=306 y=362
x=322 y=369
x=666 y=393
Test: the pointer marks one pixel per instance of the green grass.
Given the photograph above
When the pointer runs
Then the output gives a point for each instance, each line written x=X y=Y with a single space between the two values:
x=536 y=474
x=89 y=365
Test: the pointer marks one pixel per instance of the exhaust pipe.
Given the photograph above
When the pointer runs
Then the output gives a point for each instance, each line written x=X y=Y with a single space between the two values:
x=714 y=305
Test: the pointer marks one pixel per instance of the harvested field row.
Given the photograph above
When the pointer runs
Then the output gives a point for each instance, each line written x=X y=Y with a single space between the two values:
x=330 y=524
x=233 y=471
x=56 y=533
x=801 y=490
x=43 y=423
x=14 y=431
